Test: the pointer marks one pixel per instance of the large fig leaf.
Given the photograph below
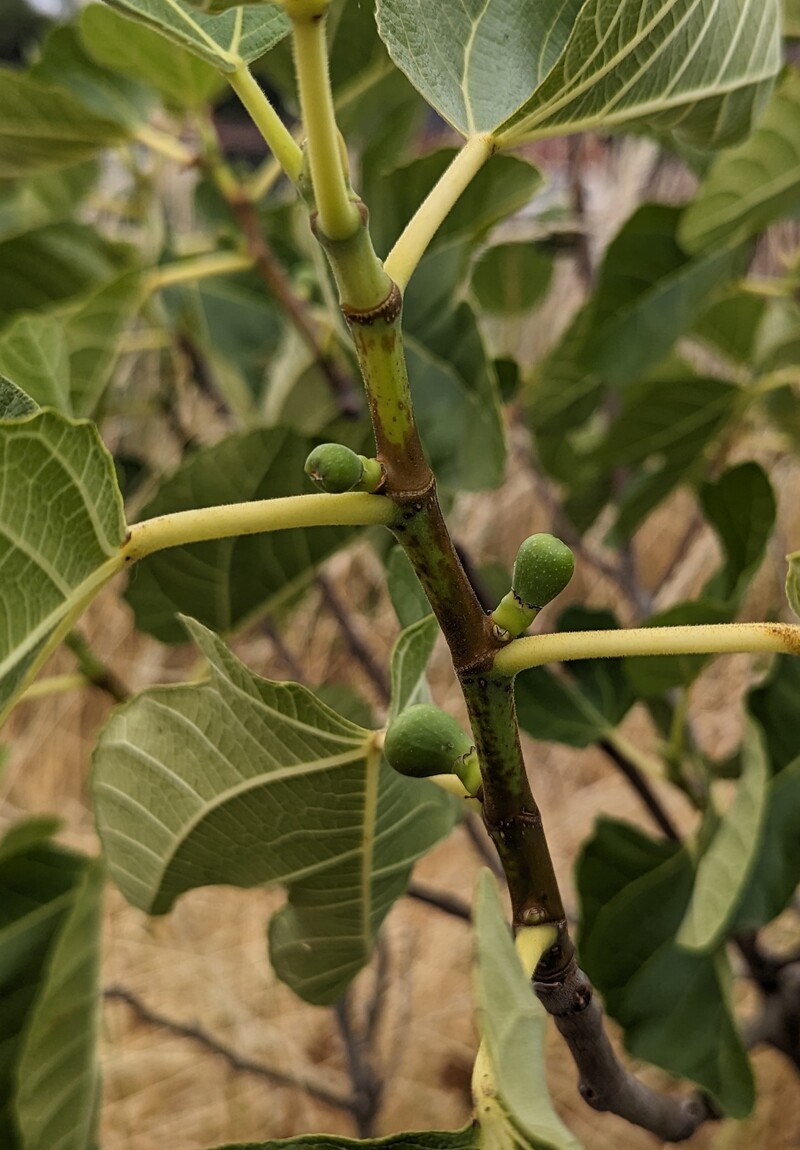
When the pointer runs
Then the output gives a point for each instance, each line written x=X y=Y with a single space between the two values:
x=702 y=68
x=244 y=781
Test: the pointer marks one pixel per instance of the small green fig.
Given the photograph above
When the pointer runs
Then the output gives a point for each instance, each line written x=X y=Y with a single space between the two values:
x=424 y=741
x=334 y=467
x=542 y=569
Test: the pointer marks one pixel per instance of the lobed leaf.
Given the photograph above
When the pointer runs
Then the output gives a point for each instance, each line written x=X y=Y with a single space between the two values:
x=240 y=780
x=237 y=36
x=61 y=530
x=409 y=662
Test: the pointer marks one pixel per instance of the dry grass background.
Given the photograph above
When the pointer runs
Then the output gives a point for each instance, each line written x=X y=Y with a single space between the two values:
x=206 y=963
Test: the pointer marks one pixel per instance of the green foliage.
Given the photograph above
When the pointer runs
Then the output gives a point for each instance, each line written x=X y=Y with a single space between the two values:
x=173 y=819
x=512 y=1026
x=634 y=896
x=49 y=964
x=54 y=470
x=160 y=279
x=226 y=582
x=225 y=40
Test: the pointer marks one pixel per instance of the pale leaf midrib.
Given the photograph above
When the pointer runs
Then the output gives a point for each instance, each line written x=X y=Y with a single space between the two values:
x=201 y=33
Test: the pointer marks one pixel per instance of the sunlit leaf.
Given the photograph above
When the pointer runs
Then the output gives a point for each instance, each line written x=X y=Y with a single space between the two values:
x=702 y=69
x=476 y=61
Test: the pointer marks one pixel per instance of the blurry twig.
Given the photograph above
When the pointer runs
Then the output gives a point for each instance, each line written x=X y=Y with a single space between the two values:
x=367 y=1086
x=94 y=669
x=207 y=1041
x=358 y=648
x=449 y=903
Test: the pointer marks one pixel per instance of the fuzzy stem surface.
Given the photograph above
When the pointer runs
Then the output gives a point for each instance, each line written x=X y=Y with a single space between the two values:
x=352 y=509
x=703 y=639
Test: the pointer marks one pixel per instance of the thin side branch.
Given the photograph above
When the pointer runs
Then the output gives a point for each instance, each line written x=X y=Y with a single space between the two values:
x=448 y=903
x=703 y=639
x=358 y=648
x=643 y=789
x=237 y=1062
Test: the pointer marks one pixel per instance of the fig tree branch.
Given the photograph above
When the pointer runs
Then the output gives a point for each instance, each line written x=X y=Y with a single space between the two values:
x=354 y=509
x=703 y=639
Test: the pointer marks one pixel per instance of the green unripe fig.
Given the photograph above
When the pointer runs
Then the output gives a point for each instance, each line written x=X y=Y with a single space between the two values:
x=334 y=468
x=542 y=569
x=424 y=741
